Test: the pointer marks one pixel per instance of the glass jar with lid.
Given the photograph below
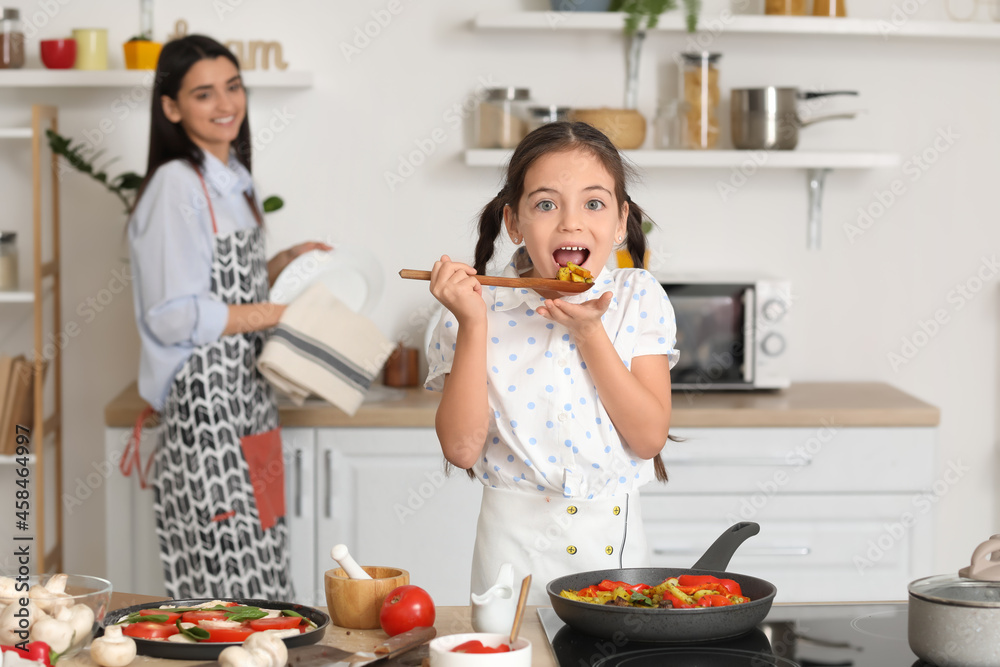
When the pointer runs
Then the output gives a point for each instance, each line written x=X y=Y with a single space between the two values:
x=11 y=39
x=699 y=100
x=502 y=117
x=8 y=261
x=538 y=116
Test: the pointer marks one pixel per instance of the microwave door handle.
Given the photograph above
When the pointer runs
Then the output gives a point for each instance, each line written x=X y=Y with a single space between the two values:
x=749 y=322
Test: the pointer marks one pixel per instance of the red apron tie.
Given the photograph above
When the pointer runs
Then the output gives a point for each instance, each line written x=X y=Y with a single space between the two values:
x=132 y=458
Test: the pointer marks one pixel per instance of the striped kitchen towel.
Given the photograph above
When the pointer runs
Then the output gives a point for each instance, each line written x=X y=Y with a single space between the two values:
x=322 y=347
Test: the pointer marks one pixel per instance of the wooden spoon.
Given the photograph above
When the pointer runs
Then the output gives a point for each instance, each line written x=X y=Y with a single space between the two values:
x=521 y=601
x=500 y=281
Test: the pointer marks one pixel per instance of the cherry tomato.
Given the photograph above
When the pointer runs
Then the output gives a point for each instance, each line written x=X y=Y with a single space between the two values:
x=277 y=623
x=228 y=634
x=405 y=608
x=145 y=630
x=195 y=616
x=171 y=616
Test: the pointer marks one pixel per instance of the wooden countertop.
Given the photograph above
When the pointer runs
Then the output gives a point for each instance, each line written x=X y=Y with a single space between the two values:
x=803 y=404
x=449 y=621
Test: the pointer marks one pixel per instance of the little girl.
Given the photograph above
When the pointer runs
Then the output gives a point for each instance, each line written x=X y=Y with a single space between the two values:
x=559 y=404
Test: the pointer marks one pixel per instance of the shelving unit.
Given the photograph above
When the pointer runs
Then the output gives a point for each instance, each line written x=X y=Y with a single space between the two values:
x=746 y=24
x=46 y=281
x=71 y=78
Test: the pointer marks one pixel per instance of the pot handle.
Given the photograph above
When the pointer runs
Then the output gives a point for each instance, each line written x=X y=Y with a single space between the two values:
x=721 y=552
x=814 y=95
x=984 y=566
x=839 y=116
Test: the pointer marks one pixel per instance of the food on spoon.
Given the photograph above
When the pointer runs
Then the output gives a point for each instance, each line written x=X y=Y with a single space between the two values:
x=684 y=592
x=577 y=274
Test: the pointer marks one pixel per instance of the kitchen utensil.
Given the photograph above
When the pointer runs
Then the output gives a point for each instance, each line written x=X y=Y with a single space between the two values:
x=209 y=651
x=58 y=53
x=521 y=599
x=954 y=621
x=441 y=654
x=768 y=118
x=330 y=656
x=668 y=625
x=91 y=48
x=343 y=557
x=626 y=128
x=495 y=609
x=353 y=274
x=500 y=281
x=356 y=603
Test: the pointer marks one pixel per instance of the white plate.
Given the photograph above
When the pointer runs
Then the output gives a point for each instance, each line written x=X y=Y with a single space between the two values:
x=352 y=273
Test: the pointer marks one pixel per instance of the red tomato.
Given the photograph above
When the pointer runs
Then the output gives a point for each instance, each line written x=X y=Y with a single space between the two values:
x=171 y=616
x=195 y=616
x=405 y=608
x=476 y=646
x=228 y=634
x=144 y=630
x=277 y=623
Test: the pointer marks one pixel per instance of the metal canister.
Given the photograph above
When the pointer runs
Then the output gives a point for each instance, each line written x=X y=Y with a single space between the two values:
x=502 y=117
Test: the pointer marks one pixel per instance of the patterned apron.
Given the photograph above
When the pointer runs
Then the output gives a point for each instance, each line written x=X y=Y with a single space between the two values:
x=218 y=474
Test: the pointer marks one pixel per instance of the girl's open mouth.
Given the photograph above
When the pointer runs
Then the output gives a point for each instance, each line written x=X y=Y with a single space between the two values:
x=570 y=255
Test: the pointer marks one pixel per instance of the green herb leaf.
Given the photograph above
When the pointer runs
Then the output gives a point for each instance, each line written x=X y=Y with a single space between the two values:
x=195 y=633
x=289 y=612
x=639 y=597
x=273 y=203
x=246 y=614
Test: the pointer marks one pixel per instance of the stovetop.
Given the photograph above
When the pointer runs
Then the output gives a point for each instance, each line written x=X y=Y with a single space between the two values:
x=834 y=635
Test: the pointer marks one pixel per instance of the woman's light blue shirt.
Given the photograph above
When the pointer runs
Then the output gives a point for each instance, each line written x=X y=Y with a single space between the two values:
x=171 y=246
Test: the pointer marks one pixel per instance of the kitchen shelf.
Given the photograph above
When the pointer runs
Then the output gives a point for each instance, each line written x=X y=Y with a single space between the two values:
x=722 y=159
x=817 y=164
x=6 y=460
x=17 y=297
x=744 y=24
x=15 y=133
x=71 y=78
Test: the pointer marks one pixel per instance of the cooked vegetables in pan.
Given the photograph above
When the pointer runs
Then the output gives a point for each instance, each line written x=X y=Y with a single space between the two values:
x=684 y=592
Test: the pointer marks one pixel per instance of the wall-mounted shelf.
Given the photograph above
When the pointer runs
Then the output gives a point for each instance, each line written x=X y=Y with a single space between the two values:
x=745 y=24
x=17 y=297
x=11 y=460
x=15 y=133
x=124 y=78
x=818 y=165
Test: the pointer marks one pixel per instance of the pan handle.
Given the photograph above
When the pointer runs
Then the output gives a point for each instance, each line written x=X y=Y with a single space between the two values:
x=814 y=95
x=721 y=552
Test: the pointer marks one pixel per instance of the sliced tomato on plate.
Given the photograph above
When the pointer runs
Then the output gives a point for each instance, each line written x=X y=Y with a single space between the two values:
x=171 y=616
x=146 y=630
x=276 y=623
x=228 y=634
x=195 y=616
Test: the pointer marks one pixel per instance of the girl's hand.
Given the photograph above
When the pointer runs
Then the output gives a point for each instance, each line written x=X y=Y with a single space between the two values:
x=278 y=263
x=582 y=319
x=453 y=285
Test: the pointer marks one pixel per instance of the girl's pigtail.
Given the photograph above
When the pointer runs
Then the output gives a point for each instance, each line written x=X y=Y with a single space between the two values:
x=490 y=224
x=635 y=240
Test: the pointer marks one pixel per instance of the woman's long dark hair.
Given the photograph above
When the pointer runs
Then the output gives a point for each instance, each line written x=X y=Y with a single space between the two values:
x=554 y=138
x=169 y=141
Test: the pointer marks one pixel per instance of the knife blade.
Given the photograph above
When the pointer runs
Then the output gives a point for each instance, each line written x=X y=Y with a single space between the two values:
x=319 y=655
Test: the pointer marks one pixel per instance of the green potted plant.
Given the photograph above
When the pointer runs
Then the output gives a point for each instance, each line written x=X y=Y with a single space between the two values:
x=626 y=127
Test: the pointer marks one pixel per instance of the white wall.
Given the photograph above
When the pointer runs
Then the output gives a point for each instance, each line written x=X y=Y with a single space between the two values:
x=855 y=300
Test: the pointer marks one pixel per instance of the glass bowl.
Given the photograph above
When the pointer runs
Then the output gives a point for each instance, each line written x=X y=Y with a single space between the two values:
x=79 y=607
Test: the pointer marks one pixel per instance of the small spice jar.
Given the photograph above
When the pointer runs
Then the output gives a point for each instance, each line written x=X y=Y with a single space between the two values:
x=11 y=39
x=785 y=7
x=699 y=100
x=8 y=261
x=502 y=118
x=538 y=116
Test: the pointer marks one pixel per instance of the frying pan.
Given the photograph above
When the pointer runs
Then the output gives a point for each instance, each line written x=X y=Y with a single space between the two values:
x=668 y=625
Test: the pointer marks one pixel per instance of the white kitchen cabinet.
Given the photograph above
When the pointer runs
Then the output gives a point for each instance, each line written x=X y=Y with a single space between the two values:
x=132 y=549
x=383 y=492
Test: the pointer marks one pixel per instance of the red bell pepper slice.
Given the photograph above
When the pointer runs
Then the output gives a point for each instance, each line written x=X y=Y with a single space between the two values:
x=676 y=601
x=589 y=592
x=706 y=580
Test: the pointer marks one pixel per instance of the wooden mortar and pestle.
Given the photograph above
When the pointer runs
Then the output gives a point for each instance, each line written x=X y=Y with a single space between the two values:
x=354 y=594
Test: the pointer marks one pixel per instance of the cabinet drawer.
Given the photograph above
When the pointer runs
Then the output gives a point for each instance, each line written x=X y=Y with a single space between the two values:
x=813 y=548
x=772 y=460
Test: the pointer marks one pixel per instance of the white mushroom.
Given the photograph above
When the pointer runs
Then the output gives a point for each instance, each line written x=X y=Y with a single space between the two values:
x=57 y=583
x=56 y=632
x=81 y=619
x=179 y=639
x=8 y=589
x=49 y=601
x=113 y=649
x=269 y=644
x=237 y=656
x=10 y=621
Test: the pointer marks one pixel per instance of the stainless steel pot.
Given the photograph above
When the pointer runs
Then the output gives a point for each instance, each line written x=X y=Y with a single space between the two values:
x=954 y=621
x=768 y=118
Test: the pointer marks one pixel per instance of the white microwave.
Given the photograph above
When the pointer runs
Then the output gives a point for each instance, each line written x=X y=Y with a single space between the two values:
x=732 y=332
